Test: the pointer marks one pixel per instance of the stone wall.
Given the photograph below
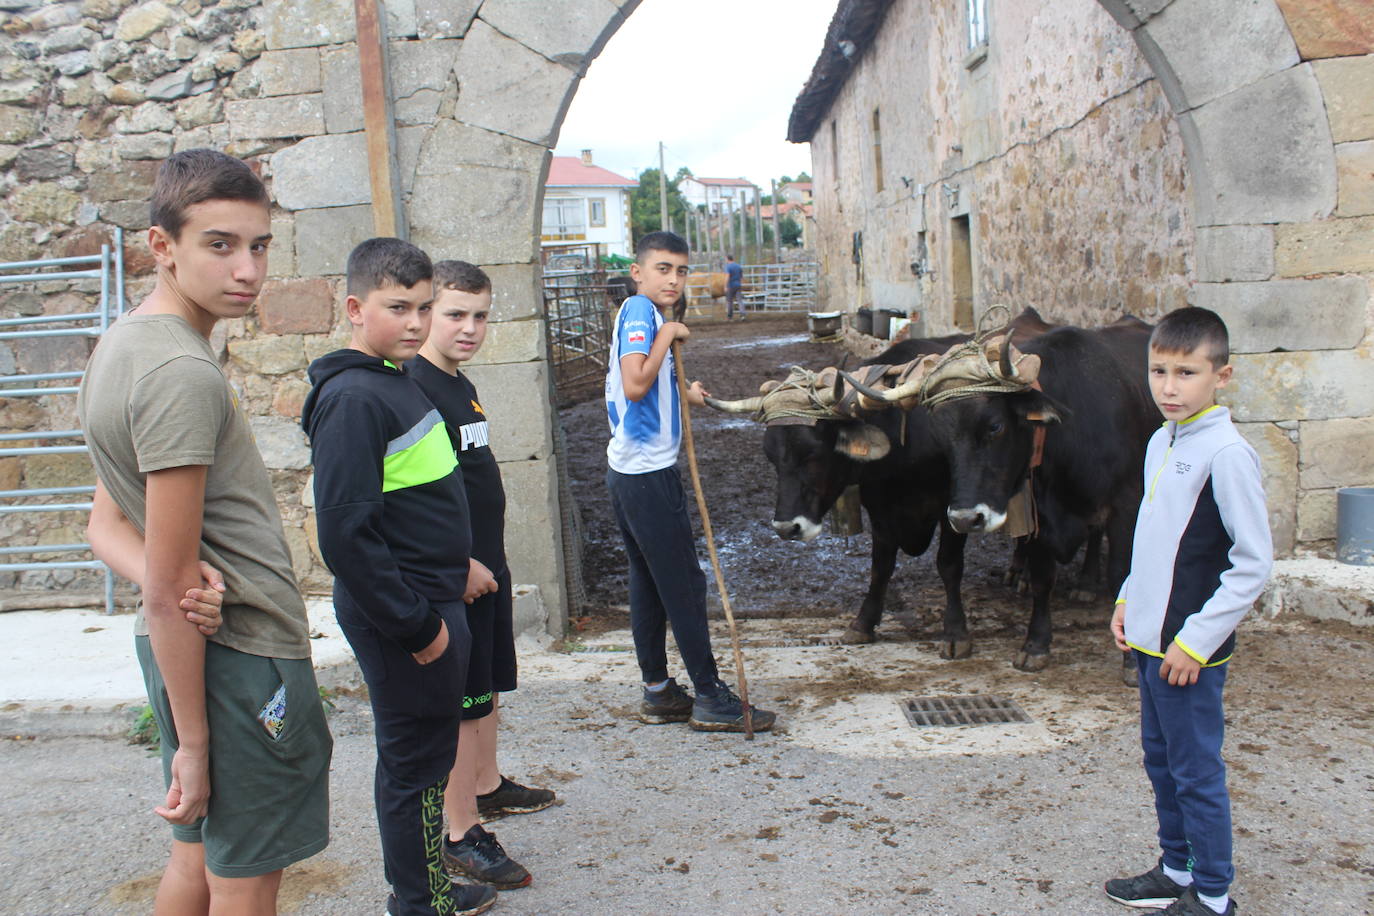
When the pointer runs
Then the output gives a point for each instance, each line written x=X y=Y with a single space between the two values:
x=94 y=92
x=1057 y=146
x=1117 y=156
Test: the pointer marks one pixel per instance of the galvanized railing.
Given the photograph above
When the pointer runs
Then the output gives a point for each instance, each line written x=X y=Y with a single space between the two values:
x=787 y=287
x=109 y=270
x=578 y=318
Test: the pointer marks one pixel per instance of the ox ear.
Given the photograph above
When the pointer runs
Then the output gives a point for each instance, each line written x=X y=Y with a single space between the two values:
x=1038 y=407
x=861 y=442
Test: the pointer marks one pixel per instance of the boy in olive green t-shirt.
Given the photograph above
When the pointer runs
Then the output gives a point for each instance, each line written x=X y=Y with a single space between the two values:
x=245 y=746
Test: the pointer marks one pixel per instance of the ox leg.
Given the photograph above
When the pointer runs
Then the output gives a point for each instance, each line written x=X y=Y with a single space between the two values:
x=1035 y=651
x=955 y=641
x=1090 y=574
x=1120 y=531
x=884 y=561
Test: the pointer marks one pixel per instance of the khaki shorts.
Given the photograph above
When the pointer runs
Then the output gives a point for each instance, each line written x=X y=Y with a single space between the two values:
x=269 y=796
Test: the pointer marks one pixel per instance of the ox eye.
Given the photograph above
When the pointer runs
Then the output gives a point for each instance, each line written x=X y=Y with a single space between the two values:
x=995 y=427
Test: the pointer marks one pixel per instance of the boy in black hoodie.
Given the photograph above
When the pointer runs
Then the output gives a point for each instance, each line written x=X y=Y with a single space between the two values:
x=393 y=527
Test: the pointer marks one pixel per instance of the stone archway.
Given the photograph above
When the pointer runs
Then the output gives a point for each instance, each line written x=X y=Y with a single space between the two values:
x=1278 y=130
x=96 y=92
x=480 y=89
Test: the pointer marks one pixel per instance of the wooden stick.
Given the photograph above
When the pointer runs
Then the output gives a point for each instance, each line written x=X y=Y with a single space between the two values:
x=710 y=538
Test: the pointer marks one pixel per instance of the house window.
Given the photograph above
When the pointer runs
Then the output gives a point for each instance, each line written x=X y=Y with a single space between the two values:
x=877 y=152
x=977 y=23
x=596 y=207
x=564 y=219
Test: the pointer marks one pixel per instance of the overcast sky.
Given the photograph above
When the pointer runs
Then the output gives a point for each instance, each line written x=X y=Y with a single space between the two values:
x=713 y=79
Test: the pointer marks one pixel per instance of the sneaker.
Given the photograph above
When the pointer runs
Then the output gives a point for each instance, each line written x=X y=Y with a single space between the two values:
x=1188 y=905
x=722 y=711
x=671 y=704
x=479 y=857
x=512 y=798
x=1153 y=890
x=471 y=899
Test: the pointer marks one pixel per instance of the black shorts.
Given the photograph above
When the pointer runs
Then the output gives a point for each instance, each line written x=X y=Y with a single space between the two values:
x=491 y=667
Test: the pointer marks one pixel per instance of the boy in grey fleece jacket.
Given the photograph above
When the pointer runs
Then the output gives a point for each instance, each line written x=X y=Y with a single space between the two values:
x=1201 y=556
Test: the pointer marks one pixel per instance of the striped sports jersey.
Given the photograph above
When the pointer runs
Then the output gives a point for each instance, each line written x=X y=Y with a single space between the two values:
x=645 y=434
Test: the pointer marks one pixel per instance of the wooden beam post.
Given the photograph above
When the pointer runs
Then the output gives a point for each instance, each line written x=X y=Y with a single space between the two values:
x=388 y=208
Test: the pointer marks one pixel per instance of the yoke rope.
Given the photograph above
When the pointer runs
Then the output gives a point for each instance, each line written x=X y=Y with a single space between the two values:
x=800 y=379
x=974 y=350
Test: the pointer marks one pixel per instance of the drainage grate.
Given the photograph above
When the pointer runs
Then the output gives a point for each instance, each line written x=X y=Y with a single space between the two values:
x=934 y=712
x=794 y=642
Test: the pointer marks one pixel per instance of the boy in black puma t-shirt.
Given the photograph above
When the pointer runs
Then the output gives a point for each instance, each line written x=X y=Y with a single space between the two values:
x=476 y=790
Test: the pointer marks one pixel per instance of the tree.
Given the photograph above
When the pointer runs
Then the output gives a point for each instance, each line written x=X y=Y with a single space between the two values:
x=644 y=209
x=791 y=232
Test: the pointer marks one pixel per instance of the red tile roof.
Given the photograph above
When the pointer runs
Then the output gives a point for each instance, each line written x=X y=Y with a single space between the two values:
x=568 y=171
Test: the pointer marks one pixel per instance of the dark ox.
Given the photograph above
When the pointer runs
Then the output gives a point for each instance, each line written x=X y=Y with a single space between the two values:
x=903 y=485
x=903 y=480
x=1097 y=414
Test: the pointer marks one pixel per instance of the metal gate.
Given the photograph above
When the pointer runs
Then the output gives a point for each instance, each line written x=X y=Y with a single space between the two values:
x=786 y=287
x=108 y=268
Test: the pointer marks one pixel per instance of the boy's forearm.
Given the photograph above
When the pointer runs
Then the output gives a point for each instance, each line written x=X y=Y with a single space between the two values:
x=176 y=501
x=114 y=539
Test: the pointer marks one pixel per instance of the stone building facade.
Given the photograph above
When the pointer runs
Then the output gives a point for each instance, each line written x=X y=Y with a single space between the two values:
x=1098 y=157
x=93 y=93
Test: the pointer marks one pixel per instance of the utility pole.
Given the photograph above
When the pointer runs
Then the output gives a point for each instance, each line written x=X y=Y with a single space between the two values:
x=758 y=226
x=777 y=229
x=662 y=193
x=730 y=225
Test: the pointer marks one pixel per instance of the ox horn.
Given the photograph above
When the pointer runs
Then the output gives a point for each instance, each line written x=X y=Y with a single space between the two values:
x=1004 y=359
x=746 y=405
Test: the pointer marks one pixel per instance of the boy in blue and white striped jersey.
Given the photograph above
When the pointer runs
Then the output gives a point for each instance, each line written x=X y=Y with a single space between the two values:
x=667 y=586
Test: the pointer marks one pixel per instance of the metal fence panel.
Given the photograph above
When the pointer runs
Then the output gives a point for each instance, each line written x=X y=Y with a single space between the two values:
x=108 y=267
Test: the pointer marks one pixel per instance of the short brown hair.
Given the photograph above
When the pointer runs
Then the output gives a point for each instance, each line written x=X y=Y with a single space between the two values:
x=382 y=261
x=462 y=276
x=194 y=176
x=1187 y=329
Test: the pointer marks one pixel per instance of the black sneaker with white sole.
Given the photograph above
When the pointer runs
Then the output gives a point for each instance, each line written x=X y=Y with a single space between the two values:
x=1153 y=890
x=470 y=898
x=512 y=798
x=669 y=704
x=1187 y=904
x=722 y=711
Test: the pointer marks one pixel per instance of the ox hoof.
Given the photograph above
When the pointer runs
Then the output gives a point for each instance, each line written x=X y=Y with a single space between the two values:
x=956 y=648
x=853 y=637
x=1027 y=661
x=1130 y=676
x=1023 y=587
x=1010 y=577
x=1085 y=595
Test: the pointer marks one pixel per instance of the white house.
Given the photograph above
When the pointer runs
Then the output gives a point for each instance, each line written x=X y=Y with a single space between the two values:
x=713 y=192
x=586 y=203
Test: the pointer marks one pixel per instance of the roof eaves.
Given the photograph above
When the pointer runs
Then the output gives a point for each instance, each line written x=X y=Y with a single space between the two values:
x=853 y=26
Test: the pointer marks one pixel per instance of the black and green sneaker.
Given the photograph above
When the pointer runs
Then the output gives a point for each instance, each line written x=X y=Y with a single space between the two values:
x=512 y=798
x=1153 y=890
x=722 y=711
x=470 y=898
x=669 y=704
